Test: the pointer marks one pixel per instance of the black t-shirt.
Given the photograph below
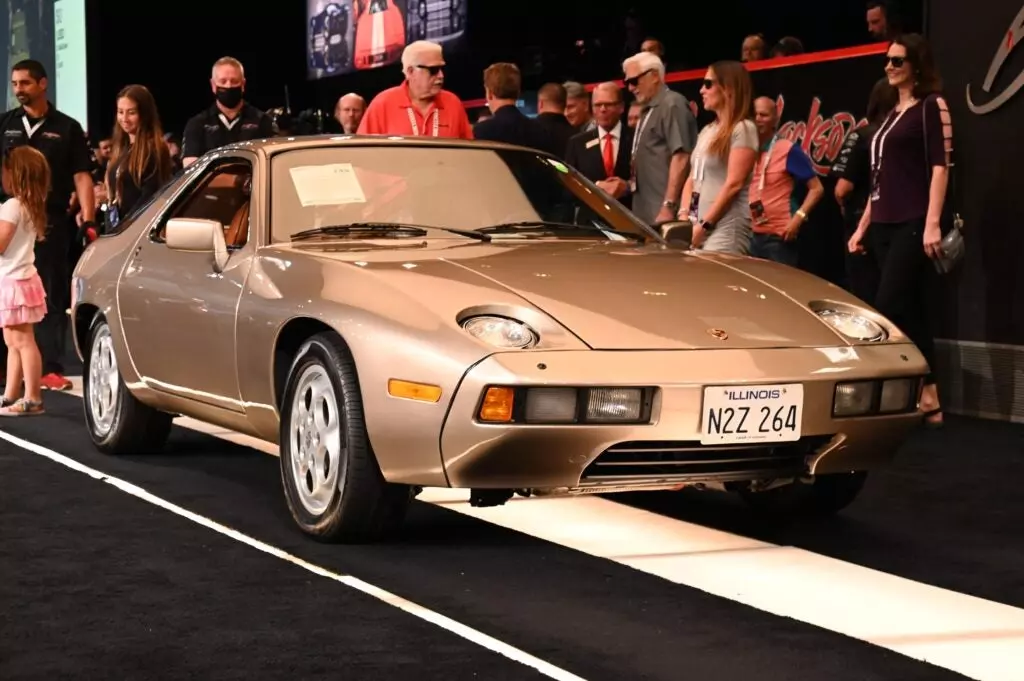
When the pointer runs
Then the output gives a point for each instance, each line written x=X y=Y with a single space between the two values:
x=131 y=193
x=212 y=129
x=61 y=140
x=854 y=165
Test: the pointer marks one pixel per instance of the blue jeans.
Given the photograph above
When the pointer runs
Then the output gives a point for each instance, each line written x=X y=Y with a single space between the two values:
x=774 y=248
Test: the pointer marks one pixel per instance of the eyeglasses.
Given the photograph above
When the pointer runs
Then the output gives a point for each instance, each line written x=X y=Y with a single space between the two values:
x=632 y=82
x=897 y=62
x=432 y=70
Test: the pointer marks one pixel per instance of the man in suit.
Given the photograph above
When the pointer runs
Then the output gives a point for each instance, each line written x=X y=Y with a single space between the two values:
x=603 y=154
x=551 y=103
x=502 y=87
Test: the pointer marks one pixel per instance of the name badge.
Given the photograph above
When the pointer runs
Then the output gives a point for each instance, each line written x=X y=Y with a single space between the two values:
x=593 y=143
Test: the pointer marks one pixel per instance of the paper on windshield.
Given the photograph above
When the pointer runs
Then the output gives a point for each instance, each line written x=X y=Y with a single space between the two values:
x=333 y=184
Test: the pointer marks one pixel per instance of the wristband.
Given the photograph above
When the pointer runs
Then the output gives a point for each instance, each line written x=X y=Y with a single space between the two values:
x=88 y=232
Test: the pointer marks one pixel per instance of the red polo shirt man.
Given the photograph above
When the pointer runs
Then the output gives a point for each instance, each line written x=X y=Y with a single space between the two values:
x=419 y=106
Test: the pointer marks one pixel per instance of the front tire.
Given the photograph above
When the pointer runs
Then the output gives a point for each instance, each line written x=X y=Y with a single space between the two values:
x=826 y=496
x=332 y=481
x=118 y=423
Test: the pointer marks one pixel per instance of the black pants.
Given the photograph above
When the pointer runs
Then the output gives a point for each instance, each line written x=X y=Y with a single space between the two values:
x=861 y=268
x=53 y=264
x=906 y=276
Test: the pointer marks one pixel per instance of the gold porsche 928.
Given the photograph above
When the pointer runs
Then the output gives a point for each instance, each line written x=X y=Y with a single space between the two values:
x=406 y=313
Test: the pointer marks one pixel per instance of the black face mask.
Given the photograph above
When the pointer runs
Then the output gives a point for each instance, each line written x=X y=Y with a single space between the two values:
x=229 y=96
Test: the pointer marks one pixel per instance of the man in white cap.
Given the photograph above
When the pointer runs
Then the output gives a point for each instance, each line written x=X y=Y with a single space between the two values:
x=420 y=105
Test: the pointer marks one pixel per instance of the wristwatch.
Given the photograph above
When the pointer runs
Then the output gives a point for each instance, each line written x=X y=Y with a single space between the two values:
x=708 y=226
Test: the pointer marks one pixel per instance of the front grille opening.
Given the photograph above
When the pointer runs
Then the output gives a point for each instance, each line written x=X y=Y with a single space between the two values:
x=692 y=460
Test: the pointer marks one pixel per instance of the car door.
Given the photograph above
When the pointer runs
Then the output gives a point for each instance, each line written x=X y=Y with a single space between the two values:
x=177 y=311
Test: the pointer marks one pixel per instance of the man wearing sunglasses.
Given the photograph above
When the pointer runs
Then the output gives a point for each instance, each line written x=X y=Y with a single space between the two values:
x=664 y=139
x=420 y=105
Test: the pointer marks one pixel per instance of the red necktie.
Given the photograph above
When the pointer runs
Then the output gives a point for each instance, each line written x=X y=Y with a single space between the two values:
x=609 y=156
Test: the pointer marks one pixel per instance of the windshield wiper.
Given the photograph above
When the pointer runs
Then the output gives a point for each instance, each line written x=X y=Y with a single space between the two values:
x=550 y=227
x=383 y=229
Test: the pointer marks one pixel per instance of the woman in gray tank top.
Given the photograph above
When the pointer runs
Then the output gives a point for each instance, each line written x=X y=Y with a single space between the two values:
x=715 y=196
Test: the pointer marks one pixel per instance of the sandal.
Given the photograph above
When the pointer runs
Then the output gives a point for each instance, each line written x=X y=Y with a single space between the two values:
x=22 y=407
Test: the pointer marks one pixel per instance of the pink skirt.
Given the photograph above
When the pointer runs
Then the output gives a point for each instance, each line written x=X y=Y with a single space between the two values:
x=22 y=301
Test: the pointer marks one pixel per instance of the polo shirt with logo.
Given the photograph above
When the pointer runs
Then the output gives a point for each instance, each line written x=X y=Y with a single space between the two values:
x=60 y=139
x=211 y=129
x=391 y=113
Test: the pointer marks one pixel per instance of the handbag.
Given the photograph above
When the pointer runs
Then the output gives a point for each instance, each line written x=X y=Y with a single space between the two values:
x=952 y=247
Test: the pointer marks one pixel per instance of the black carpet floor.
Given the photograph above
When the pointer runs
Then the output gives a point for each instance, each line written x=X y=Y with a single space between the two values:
x=104 y=585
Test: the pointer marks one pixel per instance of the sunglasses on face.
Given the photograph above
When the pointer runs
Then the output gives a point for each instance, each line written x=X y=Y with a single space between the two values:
x=897 y=62
x=632 y=82
x=432 y=70
x=707 y=84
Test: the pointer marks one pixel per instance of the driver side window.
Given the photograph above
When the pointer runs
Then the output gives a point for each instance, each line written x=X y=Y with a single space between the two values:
x=222 y=195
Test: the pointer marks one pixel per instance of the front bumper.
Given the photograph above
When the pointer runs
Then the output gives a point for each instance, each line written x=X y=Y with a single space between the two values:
x=667 y=451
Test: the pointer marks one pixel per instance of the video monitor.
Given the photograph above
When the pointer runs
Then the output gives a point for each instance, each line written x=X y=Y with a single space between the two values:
x=53 y=33
x=345 y=36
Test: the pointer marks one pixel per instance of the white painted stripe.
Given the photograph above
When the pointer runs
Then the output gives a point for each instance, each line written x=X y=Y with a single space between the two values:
x=975 y=637
x=387 y=597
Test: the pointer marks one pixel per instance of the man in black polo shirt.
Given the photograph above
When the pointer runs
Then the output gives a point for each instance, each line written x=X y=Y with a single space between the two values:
x=61 y=140
x=230 y=119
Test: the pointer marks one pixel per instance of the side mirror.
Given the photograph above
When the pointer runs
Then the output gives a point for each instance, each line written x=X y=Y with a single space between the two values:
x=203 y=236
x=677 y=232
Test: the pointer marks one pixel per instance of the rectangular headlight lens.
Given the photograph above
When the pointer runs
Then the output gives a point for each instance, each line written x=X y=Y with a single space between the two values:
x=853 y=399
x=613 y=405
x=896 y=395
x=550 y=405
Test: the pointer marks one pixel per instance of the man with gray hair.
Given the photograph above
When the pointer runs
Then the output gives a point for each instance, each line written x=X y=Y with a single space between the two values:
x=420 y=105
x=577 y=106
x=348 y=112
x=664 y=139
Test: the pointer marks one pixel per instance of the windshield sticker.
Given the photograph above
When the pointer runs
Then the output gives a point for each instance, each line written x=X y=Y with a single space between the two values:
x=558 y=165
x=334 y=184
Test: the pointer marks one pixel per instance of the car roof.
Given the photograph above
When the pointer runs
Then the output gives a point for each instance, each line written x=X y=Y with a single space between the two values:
x=273 y=145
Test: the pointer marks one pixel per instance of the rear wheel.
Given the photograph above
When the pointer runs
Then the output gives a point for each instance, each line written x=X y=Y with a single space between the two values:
x=118 y=423
x=825 y=496
x=332 y=482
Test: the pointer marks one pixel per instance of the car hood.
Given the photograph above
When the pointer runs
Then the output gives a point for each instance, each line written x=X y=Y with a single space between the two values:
x=611 y=295
x=619 y=297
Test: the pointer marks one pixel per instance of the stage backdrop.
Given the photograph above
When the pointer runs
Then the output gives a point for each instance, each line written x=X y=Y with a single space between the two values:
x=981 y=59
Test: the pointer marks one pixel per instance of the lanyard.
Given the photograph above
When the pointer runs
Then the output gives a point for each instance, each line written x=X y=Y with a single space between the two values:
x=31 y=129
x=416 y=128
x=640 y=129
x=878 y=143
x=764 y=164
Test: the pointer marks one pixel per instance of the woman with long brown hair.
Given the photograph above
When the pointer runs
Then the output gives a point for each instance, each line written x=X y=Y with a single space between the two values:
x=715 y=193
x=910 y=156
x=140 y=162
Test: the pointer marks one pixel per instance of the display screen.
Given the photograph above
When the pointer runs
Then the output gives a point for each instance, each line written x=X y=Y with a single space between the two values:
x=53 y=33
x=345 y=36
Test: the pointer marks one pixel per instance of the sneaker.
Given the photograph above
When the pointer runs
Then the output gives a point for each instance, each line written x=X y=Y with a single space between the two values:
x=55 y=381
x=23 y=407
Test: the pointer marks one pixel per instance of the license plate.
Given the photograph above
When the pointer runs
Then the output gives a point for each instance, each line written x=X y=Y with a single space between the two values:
x=752 y=414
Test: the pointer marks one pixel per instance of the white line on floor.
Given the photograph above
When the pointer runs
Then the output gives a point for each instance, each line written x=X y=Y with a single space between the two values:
x=975 y=637
x=419 y=611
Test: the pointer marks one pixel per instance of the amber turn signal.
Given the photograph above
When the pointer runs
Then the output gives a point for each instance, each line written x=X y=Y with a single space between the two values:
x=497 y=405
x=409 y=390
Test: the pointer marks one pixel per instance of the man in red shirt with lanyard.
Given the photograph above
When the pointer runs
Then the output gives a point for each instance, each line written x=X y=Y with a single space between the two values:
x=419 y=106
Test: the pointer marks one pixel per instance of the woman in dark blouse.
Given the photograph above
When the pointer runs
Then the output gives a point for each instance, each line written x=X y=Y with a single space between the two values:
x=909 y=173
x=140 y=162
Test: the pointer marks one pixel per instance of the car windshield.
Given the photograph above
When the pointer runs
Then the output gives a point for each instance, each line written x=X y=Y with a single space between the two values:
x=505 y=193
